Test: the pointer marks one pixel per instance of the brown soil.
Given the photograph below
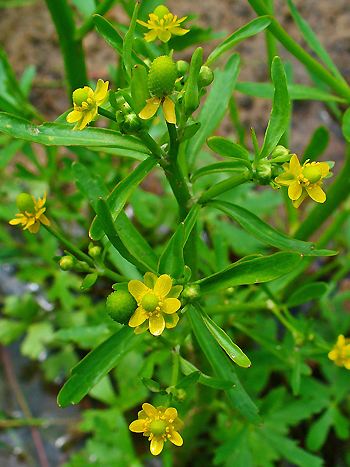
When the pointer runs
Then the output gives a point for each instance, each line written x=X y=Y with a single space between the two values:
x=29 y=38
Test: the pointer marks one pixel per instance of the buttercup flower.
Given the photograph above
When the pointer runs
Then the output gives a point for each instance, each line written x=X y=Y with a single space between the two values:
x=340 y=353
x=159 y=425
x=304 y=180
x=31 y=213
x=86 y=103
x=161 y=81
x=157 y=303
x=162 y=25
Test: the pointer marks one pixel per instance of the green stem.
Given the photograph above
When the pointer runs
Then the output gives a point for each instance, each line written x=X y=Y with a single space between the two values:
x=295 y=49
x=231 y=182
x=107 y=114
x=71 y=48
x=88 y=24
x=271 y=44
x=336 y=194
x=70 y=247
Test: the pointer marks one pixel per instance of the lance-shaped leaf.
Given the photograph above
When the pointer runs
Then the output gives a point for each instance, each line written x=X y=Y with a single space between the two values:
x=122 y=192
x=252 y=271
x=210 y=381
x=249 y=30
x=225 y=342
x=307 y=292
x=222 y=366
x=265 y=233
x=172 y=259
x=227 y=148
x=279 y=118
x=55 y=134
x=95 y=366
x=235 y=166
x=129 y=40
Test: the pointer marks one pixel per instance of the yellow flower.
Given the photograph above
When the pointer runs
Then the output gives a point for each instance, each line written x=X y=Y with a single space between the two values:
x=31 y=213
x=304 y=180
x=157 y=303
x=162 y=25
x=159 y=425
x=86 y=103
x=340 y=353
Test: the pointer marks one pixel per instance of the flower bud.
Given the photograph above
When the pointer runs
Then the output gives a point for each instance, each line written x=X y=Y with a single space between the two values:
x=94 y=251
x=161 y=11
x=120 y=306
x=280 y=154
x=191 y=292
x=80 y=95
x=263 y=172
x=205 y=77
x=25 y=202
x=131 y=122
x=66 y=263
x=182 y=67
x=162 y=76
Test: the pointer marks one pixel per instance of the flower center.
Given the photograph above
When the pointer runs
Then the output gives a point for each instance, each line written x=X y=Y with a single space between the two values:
x=150 y=302
x=80 y=95
x=312 y=173
x=158 y=427
x=25 y=202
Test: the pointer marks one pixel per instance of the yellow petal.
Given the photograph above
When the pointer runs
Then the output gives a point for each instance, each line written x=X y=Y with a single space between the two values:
x=164 y=35
x=294 y=190
x=142 y=23
x=170 y=414
x=34 y=228
x=151 y=107
x=294 y=165
x=179 y=31
x=169 y=110
x=87 y=118
x=163 y=285
x=171 y=320
x=74 y=116
x=341 y=340
x=175 y=438
x=298 y=201
x=149 y=410
x=156 y=446
x=333 y=355
x=101 y=91
x=44 y=220
x=316 y=193
x=324 y=168
x=16 y=221
x=171 y=305
x=137 y=426
x=138 y=318
x=137 y=289
x=156 y=324
x=151 y=35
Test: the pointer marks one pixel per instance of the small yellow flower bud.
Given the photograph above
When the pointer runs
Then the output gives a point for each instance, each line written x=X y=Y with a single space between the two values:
x=182 y=67
x=162 y=76
x=150 y=302
x=80 y=95
x=94 y=251
x=25 y=202
x=120 y=306
x=205 y=77
x=312 y=172
x=66 y=263
x=161 y=11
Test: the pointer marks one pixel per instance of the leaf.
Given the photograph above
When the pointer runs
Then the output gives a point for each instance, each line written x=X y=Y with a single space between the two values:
x=121 y=193
x=209 y=381
x=38 y=336
x=251 y=271
x=129 y=39
x=227 y=148
x=346 y=124
x=92 y=368
x=215 y=105
x=235 y=166
x=89 y=280
x=249 y=30
x=265 y=233
x=319 y=430
x=172 y=259
x=296 y=92
x=306 y=293
x=225 y=342
x=317 y=145
x=54 y=134
x=312 y=40
x=237 y=396
x=280 y=114
x=189 y=380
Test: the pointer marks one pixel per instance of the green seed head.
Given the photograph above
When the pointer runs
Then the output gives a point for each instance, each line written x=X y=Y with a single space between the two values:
x=162 y=76
x=161 y=11
x=312 y=173
x=150 y=302
x=66 y=263
x=120 y=306
x=25 y=202
x=205 y=77
x=80 y=95
x=157 y=427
